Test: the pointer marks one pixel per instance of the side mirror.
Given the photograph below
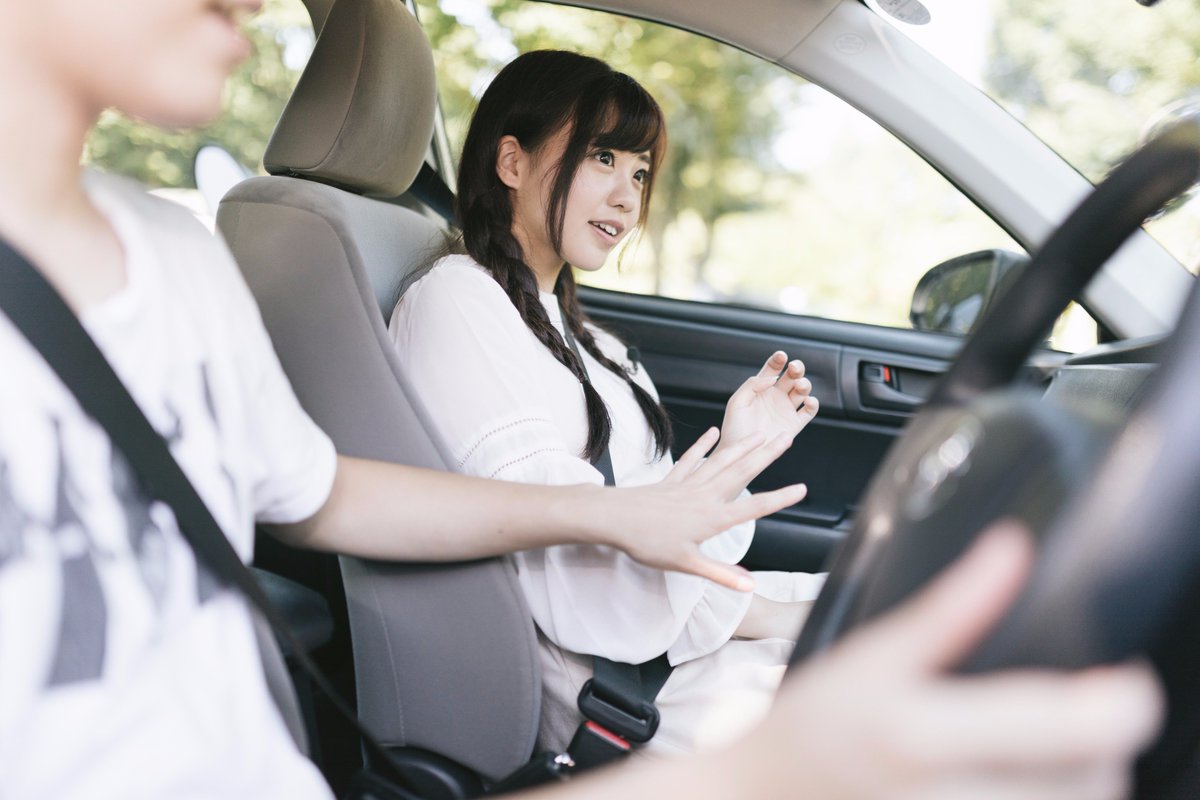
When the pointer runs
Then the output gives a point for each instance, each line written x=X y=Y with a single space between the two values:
x=953 y=296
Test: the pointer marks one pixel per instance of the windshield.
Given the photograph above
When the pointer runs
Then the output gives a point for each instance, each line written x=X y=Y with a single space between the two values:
x=1089 y=77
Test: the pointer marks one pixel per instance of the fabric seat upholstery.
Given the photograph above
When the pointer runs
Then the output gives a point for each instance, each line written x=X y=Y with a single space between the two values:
x=445 y=655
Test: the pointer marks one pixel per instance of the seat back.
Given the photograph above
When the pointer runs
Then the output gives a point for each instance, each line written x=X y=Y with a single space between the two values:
x=445 y=656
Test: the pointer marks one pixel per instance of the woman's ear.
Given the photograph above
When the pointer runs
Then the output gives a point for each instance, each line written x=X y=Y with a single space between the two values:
x=511 y=161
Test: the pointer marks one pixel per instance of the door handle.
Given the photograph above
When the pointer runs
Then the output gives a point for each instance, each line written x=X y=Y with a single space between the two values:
x=879 y=386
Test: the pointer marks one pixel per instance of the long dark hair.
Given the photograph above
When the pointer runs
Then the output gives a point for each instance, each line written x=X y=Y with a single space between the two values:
x=537 y=95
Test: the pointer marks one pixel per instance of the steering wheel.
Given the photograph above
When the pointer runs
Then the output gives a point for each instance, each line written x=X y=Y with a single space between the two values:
x=1109 y=494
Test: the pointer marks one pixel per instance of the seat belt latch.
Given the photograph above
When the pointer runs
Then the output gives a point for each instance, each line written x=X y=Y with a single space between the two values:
x=594 y=746
x=634 y=722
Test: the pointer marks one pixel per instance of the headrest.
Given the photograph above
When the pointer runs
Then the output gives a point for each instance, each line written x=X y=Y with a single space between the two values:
x=361 y=117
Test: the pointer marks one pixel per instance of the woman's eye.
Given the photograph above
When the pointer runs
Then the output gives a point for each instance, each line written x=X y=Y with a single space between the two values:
x=641 y=175
x=605 y=157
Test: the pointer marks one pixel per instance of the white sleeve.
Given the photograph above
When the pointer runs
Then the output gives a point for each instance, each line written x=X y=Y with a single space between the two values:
x=483 y=379
x=718 y=611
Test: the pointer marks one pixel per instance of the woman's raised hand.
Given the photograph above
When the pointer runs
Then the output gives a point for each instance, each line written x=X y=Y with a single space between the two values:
x=702 y=497
x=775 y=402
x=663 y=524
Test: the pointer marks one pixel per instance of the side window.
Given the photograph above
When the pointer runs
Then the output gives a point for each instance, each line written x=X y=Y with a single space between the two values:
x=774 y=194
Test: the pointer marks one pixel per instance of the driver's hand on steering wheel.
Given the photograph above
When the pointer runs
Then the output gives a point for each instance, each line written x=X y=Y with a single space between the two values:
x=880 y=715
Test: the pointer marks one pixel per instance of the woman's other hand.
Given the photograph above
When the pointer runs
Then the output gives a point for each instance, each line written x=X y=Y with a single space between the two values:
x=775 y=402
x=773 y=619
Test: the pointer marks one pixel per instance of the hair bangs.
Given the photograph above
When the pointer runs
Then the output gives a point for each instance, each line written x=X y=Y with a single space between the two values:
x=631 y=121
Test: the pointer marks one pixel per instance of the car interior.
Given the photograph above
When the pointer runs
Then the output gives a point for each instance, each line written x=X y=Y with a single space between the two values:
x=917 y=455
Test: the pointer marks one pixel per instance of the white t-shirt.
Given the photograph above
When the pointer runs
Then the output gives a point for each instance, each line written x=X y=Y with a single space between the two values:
x=125 y=671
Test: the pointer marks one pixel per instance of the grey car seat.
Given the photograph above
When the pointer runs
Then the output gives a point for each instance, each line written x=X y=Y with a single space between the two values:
x=445 y=656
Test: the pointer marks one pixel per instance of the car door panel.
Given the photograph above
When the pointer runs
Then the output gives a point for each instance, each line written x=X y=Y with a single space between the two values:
x=699 y=353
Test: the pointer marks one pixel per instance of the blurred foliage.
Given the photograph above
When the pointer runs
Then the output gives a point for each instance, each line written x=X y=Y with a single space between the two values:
x=1087 y=77
x=1090 y=77
x=254 y=98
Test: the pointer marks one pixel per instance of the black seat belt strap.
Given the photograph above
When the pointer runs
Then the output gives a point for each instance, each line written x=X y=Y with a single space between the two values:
x=603 y=462
x=431 y=190
x=41 y=315
x=619 y=696
x=646 y=682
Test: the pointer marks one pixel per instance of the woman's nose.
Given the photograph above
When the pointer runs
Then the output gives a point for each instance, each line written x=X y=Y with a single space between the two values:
x=624 y=196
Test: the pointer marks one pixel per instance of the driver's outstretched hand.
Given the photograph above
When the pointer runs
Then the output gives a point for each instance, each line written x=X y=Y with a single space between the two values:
x=663 y=524
x=880 y=715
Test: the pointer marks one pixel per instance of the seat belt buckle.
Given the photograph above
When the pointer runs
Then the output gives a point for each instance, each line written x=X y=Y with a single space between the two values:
x=594 y=746
x=630 y=723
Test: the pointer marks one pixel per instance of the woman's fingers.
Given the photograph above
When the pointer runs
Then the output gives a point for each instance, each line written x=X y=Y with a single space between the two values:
x=761 y=504
x=791 y=375
x=772 y=366
x=768 y=375
x=731 y=576
x=693 y=456
x=730 y=469
x=727 y=455
x=776 y=372
x=809 y=408
x=799 y=390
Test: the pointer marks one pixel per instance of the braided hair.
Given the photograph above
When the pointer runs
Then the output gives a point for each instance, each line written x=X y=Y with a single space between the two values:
x=536 y=96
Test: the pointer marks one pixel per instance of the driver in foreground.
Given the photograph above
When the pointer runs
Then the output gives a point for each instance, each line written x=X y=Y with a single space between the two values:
x=125 y=674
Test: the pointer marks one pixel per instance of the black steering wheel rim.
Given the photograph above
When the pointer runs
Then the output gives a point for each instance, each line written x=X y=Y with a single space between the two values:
x=1131 y=521
x=1015 y=324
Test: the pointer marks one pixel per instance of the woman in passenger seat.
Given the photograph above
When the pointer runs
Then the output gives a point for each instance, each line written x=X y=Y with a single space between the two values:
x=556 y=172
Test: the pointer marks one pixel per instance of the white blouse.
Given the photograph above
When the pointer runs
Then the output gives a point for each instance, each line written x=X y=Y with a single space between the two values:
x=507 y=409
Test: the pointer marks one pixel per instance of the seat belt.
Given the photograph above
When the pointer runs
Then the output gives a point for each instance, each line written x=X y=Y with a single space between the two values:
x=430 y=189
x=619 y=697
x=41 y=315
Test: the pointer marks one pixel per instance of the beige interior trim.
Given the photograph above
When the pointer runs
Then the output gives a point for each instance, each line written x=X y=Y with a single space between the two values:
x=767 y=28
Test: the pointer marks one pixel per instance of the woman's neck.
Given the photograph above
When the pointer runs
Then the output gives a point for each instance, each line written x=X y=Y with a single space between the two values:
x=546 y=279
x=541 y=258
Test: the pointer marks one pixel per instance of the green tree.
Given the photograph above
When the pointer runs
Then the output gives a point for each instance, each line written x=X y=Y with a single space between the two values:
x=1089 y=77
